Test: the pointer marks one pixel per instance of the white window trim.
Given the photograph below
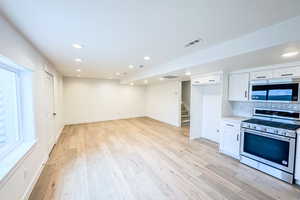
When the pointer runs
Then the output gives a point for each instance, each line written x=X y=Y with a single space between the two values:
x=11 y=163
x=27 y=137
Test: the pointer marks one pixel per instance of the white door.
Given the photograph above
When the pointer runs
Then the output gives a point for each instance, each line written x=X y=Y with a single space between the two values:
x=50 y=113
x=239 y=87
x=211 y=109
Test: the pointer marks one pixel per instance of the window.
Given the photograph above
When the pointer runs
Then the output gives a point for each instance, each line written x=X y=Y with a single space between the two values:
x=9 y=110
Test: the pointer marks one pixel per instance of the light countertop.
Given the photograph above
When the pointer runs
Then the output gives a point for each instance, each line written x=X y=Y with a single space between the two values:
x=234 y=118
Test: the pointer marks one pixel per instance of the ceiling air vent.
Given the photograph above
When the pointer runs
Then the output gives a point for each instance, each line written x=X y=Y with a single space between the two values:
x=192 y=43
x=170 y=77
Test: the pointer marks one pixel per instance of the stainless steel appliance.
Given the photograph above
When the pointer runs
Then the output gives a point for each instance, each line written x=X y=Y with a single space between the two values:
x=268 y=142
x=276 y=90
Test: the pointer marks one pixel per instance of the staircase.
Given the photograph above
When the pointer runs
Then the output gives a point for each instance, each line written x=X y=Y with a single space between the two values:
x=185 y=116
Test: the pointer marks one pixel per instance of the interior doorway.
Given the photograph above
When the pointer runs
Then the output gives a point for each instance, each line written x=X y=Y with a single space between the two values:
x=49 y=108
x=185 y=104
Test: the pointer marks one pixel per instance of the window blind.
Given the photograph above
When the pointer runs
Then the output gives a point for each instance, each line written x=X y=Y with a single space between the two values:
x=2 y=115
x=9 y=120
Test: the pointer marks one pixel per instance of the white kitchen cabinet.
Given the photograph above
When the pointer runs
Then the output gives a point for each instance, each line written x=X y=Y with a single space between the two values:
x=207 y=80
x=297 y=169
x=238 y=87
x=289 y=72
x=261 y=75
x=230 y=138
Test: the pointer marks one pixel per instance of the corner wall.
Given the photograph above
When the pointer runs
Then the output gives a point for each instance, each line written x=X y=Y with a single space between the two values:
x=15 y=47
x=163 y=102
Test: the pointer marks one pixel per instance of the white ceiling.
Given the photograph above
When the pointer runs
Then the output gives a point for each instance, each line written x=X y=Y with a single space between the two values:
x=259 y=58
x=117 y=33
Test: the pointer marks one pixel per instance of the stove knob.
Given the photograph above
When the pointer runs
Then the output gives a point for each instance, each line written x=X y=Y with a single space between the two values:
x=283 y=133
x=264 y=129
x=276 y=131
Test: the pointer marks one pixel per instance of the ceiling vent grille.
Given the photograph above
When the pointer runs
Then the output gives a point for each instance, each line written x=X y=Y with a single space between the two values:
x=170 y=77
x=192 y=43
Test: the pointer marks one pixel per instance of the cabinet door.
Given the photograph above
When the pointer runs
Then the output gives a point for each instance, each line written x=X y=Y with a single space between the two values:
x=289 y=72
x=261 y=75
x=238 y=87
x=213 y=79
x=230 y=139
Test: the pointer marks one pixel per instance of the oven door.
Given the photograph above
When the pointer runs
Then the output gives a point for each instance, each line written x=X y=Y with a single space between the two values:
x=273 y=150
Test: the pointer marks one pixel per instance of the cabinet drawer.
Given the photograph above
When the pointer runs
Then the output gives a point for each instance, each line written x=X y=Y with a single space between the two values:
x=261 y=75
x=287 y=72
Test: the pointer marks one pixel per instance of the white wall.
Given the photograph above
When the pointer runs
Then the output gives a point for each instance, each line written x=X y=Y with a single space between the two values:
x=91 y=100
x=245 y=109
x=163 y=102
x=186 y=93
x=20 y=51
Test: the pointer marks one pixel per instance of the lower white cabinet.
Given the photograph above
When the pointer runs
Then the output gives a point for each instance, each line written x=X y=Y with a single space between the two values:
x=230 y=138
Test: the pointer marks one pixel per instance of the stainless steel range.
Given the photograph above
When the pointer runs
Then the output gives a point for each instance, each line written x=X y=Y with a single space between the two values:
x=268 y=142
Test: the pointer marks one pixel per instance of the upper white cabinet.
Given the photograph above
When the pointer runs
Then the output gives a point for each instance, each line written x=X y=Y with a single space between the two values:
x=206 y=80
x=238 y=87
x=261 y=75
x=287 y=72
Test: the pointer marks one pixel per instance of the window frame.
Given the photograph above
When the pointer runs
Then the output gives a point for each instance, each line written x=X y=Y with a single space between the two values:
x=8 y=148
x=13 y=158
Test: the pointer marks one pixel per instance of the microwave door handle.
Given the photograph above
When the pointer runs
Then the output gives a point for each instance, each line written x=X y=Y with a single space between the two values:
x=290 y=74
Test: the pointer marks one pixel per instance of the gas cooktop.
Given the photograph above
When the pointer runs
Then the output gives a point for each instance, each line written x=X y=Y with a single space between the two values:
x=274 y=124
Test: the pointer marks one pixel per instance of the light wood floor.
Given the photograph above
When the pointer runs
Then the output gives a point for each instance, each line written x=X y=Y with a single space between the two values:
x=144 y=159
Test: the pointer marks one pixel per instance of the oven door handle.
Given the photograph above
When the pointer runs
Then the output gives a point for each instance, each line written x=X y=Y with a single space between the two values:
x=282 y=138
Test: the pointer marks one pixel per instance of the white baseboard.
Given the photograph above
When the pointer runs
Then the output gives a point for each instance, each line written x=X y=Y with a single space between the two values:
x=297 y=182
x=34 y=180
x=39 y=171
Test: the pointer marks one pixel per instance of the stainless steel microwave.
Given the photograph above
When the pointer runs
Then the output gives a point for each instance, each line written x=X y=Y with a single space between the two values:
x=283 y=90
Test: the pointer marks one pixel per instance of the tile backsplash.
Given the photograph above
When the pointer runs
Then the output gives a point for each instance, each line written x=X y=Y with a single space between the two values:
x=245 y=109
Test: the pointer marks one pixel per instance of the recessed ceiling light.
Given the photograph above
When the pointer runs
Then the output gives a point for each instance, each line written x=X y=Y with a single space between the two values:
x=131 y=66
x=78 y=60
x=110 y=78
x=145 y=81
x=188 y=73
x=79 y=70
x=161 y=79
x=78 y=75
x=147 y=58
x=131 y=84
x=77 y=46
x=118 y=73
x=290 y=54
